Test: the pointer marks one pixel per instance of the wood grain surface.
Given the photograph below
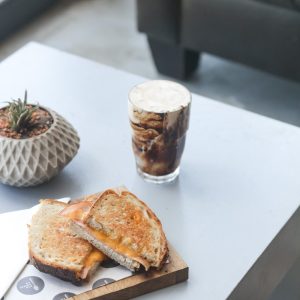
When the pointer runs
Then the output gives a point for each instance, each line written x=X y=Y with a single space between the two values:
x=142 y=283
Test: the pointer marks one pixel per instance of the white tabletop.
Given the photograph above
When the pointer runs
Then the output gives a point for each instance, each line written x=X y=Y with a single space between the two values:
x=239 y=181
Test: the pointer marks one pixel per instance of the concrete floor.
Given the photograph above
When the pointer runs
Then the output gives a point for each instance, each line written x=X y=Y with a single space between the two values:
x=105 y=31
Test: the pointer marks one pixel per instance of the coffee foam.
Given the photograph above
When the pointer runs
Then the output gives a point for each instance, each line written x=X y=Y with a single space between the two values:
x=160 y=96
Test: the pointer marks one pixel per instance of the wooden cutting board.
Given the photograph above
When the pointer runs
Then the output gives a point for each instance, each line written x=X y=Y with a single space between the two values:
x=142 y=283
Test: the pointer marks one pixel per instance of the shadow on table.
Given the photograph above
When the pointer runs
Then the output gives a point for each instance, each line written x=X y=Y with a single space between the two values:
x=65 y=184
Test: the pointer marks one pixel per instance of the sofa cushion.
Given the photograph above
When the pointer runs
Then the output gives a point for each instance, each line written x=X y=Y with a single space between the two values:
x=283 y=3
x=245 y=31
x=15 y=13
x=296 y=4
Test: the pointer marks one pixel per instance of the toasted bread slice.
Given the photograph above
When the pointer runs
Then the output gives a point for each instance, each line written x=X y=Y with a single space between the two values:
x=122 y=227
x=54 y=249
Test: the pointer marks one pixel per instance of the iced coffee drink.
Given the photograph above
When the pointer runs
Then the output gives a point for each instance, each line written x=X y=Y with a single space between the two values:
x=159 y=113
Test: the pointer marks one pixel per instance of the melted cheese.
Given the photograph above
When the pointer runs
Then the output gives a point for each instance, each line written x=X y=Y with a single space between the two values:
x=117 y=246
x=77 y=211
x=95 y=256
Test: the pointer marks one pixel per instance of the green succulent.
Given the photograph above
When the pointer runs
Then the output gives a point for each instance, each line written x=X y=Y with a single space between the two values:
x=20 y=113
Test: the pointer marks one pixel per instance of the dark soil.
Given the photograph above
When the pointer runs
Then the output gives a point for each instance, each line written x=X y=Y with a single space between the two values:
x=40 y=122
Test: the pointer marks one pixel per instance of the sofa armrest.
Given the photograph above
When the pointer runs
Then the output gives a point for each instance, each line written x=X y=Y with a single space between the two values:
x=159 y=19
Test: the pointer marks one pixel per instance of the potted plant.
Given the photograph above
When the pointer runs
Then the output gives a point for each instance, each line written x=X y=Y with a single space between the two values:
x=35 y=143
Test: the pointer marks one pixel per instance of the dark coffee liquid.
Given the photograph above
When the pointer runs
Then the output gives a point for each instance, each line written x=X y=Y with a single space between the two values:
x=158 y=140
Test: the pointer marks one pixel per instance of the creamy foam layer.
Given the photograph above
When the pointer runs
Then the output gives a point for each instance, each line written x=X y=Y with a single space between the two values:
x=160 y=96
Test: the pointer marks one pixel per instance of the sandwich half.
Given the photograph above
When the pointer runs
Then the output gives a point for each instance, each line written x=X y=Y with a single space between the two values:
x=54 y=249
x=123 y=227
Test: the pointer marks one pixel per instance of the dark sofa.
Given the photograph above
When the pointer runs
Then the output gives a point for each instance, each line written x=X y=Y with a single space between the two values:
x=15 y=13
x=264 y=34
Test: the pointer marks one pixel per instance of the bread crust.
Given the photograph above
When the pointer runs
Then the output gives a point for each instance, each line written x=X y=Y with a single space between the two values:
x=164 y=243
x=64 y=274
x=88 y=218
x=127 y=262
x=52 y=230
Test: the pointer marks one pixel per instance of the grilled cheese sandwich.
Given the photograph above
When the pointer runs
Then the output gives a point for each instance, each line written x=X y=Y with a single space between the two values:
x=122 y=226
x=70 y=241
x=54 y=249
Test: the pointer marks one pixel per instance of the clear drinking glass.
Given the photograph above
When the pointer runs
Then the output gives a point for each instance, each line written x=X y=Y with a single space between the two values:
x=159 y=112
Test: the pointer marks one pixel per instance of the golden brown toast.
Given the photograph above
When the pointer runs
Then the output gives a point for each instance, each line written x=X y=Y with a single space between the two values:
x=54 y=249
x=122 y=227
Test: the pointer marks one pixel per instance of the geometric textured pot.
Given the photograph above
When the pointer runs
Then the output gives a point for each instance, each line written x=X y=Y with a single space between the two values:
x=32 y=161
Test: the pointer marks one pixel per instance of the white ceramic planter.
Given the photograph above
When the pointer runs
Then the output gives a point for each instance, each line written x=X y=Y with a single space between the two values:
x=32 y=161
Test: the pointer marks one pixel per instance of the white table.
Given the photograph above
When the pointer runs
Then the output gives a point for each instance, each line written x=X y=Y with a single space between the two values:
x=239 y=182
